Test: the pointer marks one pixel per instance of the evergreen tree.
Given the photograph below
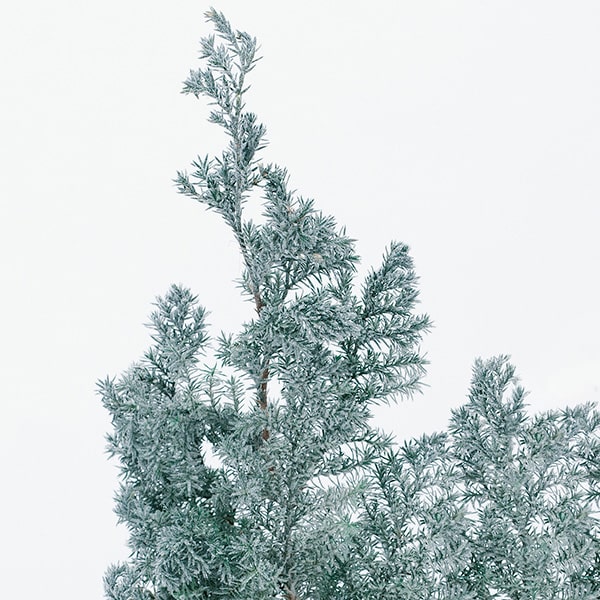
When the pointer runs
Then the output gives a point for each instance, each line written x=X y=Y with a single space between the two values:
x=307 y=499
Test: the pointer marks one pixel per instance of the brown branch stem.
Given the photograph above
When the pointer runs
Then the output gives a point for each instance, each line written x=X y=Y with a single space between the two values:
x=264 y=376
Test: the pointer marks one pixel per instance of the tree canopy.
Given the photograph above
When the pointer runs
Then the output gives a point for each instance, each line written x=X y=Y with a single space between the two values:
x=303 y=497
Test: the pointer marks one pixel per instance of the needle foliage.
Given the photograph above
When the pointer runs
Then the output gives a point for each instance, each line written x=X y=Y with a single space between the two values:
x=303 y=498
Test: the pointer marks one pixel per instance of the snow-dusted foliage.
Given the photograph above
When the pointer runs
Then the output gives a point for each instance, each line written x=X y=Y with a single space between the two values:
x=500 y=506
x=307 y=500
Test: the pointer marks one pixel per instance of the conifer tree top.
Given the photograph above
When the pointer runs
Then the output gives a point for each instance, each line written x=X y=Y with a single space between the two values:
x=302 y=497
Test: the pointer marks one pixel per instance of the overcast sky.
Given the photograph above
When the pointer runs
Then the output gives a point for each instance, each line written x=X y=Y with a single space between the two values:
x=468 y=130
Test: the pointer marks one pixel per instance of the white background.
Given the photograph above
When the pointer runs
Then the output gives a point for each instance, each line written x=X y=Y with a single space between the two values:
x=469 y=130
